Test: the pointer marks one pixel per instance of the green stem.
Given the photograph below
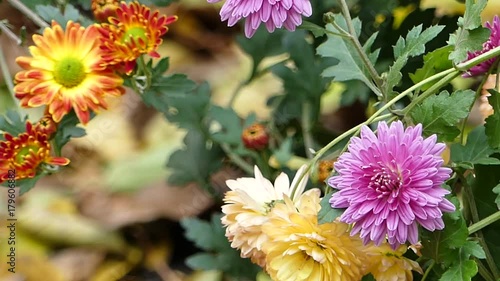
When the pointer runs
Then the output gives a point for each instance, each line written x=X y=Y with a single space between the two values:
x=237 y=159
x=428 y=270
x=484 y=222
x=483 y=271
x=354 y=37
x=306 y=129
x=146 y=71
x=8 y=78
x=464 y=66
x=450 y=75
x=29 y=13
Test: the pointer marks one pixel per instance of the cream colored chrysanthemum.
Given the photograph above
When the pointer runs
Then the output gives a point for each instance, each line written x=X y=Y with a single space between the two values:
x=298 y=248
x=247 y=205
x=386 y=264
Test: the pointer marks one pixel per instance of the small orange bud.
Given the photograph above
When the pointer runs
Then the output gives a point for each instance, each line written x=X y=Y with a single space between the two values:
x=325 y=168
x=46 y=126
x=255 y=137
x=103 y=9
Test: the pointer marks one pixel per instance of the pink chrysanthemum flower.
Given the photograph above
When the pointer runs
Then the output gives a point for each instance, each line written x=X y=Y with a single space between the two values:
x=390 y=182
x=274 y=13
x=493 y=42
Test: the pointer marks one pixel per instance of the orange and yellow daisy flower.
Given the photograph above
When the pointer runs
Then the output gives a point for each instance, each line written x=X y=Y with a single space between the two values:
x=134 y=31
x=103 y=9
x=66 y=72
x=25 y=153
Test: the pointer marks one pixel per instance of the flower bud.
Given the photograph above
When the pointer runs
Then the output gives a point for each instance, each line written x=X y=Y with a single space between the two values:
x=255 y=137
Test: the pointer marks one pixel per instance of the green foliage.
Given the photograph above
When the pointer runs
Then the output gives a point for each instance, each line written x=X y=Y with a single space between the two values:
x=49 y=13
x=159 y=3
x=327 y=213
x=66 y=130
x=26 y=185
x=350 y=65
x=188 y=110
x=219 y=255
x=261 y=45
x=463 y=268
x=439 y=114
x=12 y=123
x=496 y=190
x=413 y=45
x=475 y=151
x=33 y=3
x=434 y=62
x=230 y=125
x=195 y=163
x=493 y=121
x=470 y=35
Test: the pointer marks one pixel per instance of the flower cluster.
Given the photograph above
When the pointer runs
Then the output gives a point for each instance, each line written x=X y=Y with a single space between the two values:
x=277 y=227
x=77 y=68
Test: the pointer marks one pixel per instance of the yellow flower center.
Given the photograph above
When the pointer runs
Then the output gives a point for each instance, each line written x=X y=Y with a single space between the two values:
x=24 y=151
x=69 y=72
x=136 y=33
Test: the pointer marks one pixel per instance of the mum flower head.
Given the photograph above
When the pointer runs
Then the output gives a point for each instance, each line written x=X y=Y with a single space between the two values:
x=65 y=72
x=25 y=153
x=103 y=9
x=493 y=42
x=274 y=14
x=135 y=30
x=386 y=264
x=390 y=183
x=300 y=249
x=246 y=207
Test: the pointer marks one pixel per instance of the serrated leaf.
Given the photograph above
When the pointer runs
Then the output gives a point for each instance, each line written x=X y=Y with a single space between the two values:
x=434 y=62
x=475 y=151
x=493 y=121
x=470 y=35
x=413 y=45
x=68 y=129
x=162 y=87
x=496 y=190
x=210 y=236
x=49 y=13
x=472 y=248
x=316 y=30
x=229 y=123
x=196 y=162
x=189 y=109
x=464 y=271
x=439 y=114
x=328 y=214
x=12 y=123
x=350 y=66
x=284 y=153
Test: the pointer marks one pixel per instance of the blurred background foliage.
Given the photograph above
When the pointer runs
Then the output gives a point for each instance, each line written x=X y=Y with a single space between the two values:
x=112 y=215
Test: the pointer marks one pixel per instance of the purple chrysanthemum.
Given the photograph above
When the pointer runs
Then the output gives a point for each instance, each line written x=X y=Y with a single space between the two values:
x=493 y=42
x=274 y=13
x=390 y=182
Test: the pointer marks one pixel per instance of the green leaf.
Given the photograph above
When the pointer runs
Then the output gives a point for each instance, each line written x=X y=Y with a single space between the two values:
x=189 y=109
x=472 y=248
x=229 y=125
x=159 y=3
x=443 y=245
x=475 y=151
x=316 y=30
x=350 y=66
x=163 y=87
x=263 y=44
x=413 y=45
x=26 y=185
x=12 y=123
x=493 y=121
x=470 y=35
x=434 y=62
x=49 y=13
x=210 y=236
x=439 y=114
x=68 y=129
x=496 y=190
x=284 y=153
x=327 y=213
x=464 y=270
x=196 y=162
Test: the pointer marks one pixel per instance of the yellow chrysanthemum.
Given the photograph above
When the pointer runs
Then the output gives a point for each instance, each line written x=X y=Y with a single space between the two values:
x=103 y=9
x=247 y=205
x=22 y=155
x=65 y=72
x=386 y=264
x=134 y=31
x=298 y=248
